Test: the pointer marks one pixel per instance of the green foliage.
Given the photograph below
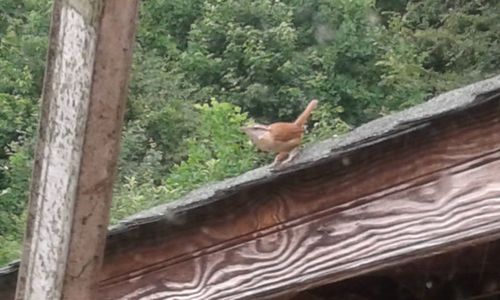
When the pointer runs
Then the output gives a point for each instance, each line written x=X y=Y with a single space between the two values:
x=159 y=117
x=165 y=25
x=403 y=77
x=327 y=123
x=10 y=249
x=216 y=150
x=17 y=118
x=13 y=199
x=131 y=197
x=23 y=43
x=269 y=57
x=140 y=155
x=237 y=50
x=18 y=171
x=461 y=39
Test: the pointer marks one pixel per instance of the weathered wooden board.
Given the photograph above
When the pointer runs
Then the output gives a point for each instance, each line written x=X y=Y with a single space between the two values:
x=428 y=191
x=64 y=112
x=406 y=221
x=84 y=93
x=116 y=37
x=251 y=210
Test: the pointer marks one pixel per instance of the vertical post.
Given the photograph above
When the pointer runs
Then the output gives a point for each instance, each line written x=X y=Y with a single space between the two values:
x=84 y=94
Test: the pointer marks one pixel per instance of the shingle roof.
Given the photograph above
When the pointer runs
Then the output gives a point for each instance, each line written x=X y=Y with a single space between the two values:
x=369 y=133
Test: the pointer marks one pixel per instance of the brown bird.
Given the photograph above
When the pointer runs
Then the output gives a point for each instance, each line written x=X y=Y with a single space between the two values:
x=282 y=138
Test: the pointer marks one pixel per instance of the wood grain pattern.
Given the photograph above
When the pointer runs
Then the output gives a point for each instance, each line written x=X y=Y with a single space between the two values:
x=409 y=220
x=253 y=211
x=382 y=184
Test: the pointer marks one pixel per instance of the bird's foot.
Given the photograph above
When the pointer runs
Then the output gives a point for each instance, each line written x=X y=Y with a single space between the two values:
x=280 y=164
x=291 y=156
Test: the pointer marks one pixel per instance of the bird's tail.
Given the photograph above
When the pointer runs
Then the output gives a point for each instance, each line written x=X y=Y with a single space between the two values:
x=304 y=116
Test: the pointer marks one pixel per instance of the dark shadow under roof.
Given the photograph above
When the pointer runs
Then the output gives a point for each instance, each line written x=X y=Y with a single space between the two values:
x=334 y=148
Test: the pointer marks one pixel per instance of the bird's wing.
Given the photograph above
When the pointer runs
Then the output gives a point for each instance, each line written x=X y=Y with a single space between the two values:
x=256 y=131
x=285 y=131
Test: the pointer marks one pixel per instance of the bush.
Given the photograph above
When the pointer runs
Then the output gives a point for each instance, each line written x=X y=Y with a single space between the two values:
x=216 y=150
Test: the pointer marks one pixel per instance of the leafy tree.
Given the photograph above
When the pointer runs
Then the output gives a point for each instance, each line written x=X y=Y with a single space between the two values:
x=237 y=51
x=165 y=25
x=460 y=38
x=23 y=42
x=159 y=114
x=215 y=150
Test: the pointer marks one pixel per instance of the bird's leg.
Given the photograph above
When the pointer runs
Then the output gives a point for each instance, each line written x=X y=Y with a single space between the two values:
x=278 y=159
x=291 y=155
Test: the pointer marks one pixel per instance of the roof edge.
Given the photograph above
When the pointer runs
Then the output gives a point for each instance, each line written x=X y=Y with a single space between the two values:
x=367 y=134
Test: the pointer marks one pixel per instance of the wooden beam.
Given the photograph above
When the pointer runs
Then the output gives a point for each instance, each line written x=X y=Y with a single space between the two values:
x=340 y=244
x=85 y=88
x=429 y=191
x=473 y=272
